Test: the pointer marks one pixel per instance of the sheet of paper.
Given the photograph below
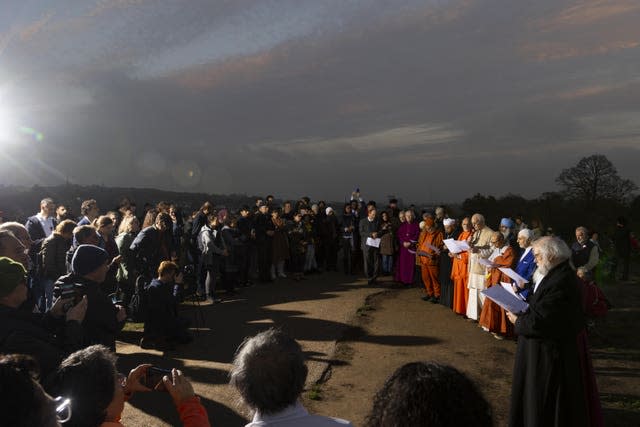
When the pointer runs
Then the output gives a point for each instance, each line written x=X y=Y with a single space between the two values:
x=509 y=288
x=506 y=300
x=433 y=248
x=515 y=276
x=456 y=246
x=374 y=243
x=486 y=263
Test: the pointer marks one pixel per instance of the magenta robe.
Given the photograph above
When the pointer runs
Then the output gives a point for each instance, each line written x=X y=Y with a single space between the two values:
x=407 y=232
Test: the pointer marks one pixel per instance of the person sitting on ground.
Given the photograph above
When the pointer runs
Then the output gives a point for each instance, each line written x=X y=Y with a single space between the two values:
x=23 y=402
x=89 y=378
x=46 y=337
x=269 y=373
x=428 y=394
x=163 y=327
x=104 y=318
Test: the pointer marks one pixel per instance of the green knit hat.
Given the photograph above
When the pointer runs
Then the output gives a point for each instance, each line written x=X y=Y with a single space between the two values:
x=11 y=275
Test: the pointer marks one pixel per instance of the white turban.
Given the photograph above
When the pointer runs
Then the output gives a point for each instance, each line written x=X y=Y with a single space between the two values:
x=328 y=210
x=448 y=221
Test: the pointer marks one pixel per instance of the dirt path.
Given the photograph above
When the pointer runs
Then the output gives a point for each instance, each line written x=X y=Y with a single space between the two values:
x=357 y=335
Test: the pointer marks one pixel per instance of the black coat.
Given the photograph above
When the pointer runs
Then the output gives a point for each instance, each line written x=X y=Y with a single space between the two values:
x=47 y=339
x=162 y=310
x=547 y=388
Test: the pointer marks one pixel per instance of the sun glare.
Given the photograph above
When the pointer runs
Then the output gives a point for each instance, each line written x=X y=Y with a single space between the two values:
x=7 y=127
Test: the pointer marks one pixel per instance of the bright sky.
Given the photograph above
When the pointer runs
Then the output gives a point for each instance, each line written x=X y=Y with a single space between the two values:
x=428 y=100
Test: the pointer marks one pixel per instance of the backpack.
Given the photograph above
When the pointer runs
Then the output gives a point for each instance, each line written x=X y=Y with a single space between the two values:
x=137 y=308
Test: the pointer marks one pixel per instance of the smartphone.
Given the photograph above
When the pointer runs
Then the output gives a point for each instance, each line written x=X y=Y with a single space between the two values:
x=153 y=378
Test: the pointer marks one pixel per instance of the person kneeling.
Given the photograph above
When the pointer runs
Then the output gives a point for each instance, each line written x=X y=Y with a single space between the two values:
x=163 y=327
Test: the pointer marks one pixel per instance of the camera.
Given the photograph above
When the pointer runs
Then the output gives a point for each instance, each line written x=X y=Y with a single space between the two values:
x=71 y=292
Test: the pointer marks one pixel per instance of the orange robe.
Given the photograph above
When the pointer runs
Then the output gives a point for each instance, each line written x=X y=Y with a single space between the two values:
x=430 y=263
x=494 y=317
x=460 y=275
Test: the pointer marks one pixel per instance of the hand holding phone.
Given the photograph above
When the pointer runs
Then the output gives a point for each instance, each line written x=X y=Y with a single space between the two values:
x=153 y=378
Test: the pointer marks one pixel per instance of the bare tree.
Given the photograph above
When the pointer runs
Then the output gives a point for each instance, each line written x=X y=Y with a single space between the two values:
x=595 y=178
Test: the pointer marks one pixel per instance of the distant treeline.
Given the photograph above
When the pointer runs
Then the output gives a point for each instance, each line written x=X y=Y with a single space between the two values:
x=554 y=210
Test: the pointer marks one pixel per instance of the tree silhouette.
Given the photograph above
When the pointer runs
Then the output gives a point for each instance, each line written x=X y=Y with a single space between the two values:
x=593 y=179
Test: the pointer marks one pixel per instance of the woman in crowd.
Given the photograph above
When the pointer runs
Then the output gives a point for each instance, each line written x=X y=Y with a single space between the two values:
x=386 y=243
x=280 y=245
x=54 y=257
x=349 y=229
x=298 y=244
x=126 y=274
x=104 y=226
x=211 y=253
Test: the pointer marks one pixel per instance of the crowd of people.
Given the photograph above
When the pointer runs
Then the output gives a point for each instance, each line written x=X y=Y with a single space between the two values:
x=68 y=285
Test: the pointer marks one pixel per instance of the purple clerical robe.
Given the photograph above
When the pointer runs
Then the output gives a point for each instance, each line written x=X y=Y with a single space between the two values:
x=407 y=232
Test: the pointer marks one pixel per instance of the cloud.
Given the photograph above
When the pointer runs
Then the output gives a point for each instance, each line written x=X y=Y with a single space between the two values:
x=388 y=141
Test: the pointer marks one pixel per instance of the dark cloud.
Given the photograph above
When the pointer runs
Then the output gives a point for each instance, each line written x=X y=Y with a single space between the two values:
x=426 y=101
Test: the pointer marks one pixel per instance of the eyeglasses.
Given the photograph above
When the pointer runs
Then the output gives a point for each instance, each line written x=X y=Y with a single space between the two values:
x=63 y=409
x=122 y=379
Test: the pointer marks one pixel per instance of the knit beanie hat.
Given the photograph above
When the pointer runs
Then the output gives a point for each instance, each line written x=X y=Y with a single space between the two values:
x=87 y=259
x=11 y=275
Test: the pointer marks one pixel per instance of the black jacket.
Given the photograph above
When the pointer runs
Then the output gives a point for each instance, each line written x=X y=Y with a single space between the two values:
x=100 y=325
x=162 y=311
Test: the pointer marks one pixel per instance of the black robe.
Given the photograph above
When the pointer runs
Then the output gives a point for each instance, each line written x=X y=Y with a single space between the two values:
x=547 y=387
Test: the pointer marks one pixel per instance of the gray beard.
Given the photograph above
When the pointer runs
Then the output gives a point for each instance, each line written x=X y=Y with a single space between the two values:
x=543 y=269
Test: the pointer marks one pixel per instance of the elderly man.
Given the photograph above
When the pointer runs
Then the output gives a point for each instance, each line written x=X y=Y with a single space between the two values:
x=584 y=253
x=429 y=248
x=47 y=337
x=269 y=373
x=548 y=385
x=493 y=318
x=526 y=265
x=480 y=249
x=507 y=227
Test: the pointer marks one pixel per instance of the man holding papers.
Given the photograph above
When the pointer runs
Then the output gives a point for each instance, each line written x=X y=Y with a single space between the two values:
x=429 y=247
x=493 y=317
x=369 y=228
x=526 y=264
x=480 y=249
x=459 y=270
x=548 y=387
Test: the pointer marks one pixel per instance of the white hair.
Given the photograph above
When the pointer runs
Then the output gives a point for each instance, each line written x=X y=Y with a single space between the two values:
x=525 y=232
x=552 y=249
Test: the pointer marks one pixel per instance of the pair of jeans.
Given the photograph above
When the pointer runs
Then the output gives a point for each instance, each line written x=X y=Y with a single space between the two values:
x=387 y=264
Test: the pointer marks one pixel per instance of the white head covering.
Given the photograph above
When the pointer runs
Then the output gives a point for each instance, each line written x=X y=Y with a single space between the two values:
x=448 y=221
x=328 y=210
